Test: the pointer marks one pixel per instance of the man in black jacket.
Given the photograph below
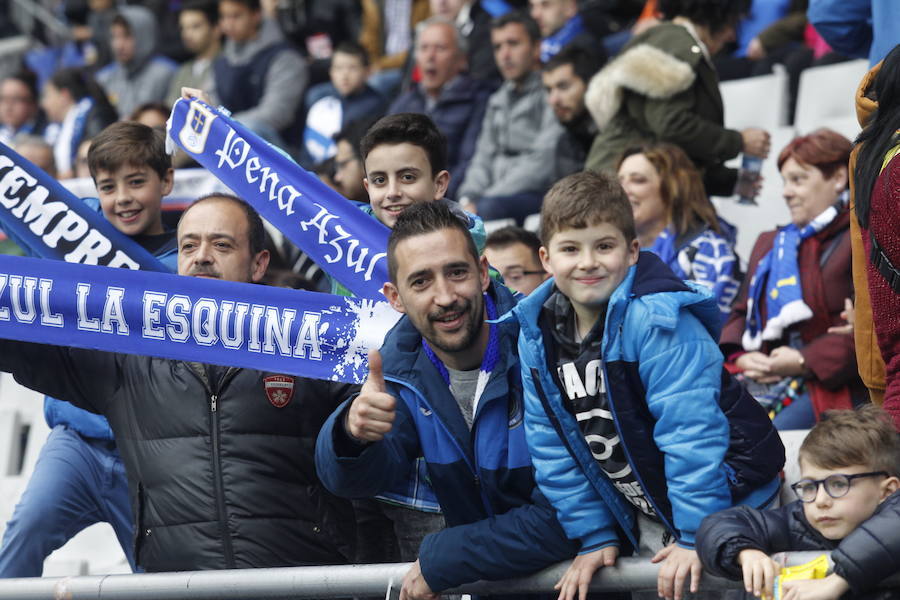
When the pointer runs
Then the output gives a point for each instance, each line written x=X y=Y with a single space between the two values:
x=220 y=471
x=847 y=502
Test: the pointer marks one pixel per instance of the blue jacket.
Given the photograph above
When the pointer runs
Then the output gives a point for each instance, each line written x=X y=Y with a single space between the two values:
x=458 y=114
x=663 y=374
x=857 y=28
x=499 y=524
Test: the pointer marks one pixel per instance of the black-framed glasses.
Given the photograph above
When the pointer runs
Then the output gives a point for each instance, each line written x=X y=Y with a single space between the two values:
x=836 y=485
x=518 y=274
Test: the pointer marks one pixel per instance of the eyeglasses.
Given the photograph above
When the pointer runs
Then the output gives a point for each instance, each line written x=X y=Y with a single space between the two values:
x=517 y=274
x=836 y=485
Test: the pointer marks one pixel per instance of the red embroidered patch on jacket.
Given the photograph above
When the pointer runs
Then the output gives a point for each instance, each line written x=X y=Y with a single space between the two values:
x=279 y=389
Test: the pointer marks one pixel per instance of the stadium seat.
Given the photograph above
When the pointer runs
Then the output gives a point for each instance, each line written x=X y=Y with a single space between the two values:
x=532 y=223
x=827 y=93
x=756 y=101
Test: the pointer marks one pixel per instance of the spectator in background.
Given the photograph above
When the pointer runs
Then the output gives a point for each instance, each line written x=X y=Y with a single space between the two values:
x=198 y=21
x=663 y=87
x=19 y=109
x=81 y=162
x=514 y=160
x=37 y=150
x=857 y=28
x=136 y=75
x=258 y=76
x=779 y=333
x=349 y=170
x=566 y=78
x=876 y=251
x=453 y=100
x=514 y=252
x=347 y=97
x=78 y=108
x=675 y=220
x=474 y=24
x=94 y=35
x=387 y=28
x=151 y=114
x=561 y=25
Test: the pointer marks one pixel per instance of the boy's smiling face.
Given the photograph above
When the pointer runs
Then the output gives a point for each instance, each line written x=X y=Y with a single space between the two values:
x=589 y=264
x=835 y=518
x=131 y=198
x=398 y=176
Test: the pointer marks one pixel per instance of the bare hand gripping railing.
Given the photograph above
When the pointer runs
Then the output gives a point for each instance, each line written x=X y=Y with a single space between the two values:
x=326 y=582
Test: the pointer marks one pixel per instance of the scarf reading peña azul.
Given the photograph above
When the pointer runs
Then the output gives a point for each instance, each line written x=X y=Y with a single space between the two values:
x=343 y=240
x=186 y=318
x=38 y=212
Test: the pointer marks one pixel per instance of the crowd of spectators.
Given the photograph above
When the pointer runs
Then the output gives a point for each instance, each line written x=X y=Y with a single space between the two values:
x=490 y=110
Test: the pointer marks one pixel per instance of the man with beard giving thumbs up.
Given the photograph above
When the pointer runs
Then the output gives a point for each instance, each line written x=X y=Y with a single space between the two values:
x=446 y=386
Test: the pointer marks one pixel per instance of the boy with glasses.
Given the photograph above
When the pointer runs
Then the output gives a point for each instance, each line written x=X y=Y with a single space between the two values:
x=846 y=503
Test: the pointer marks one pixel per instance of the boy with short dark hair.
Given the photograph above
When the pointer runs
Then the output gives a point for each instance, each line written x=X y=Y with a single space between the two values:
x=846 y=503
x=345 y=98
x=133 y=173
x=405 y=160
x=79 y=479
x=628 y=409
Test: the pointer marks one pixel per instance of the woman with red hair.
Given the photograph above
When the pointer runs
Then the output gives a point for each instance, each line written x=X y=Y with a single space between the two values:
x=783 y=333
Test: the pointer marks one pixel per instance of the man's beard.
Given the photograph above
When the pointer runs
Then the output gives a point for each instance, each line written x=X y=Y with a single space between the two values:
x=471 y=328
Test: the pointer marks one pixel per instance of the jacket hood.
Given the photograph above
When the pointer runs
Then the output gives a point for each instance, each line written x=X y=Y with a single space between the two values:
x=403 y=342
x=241 y=53
x=643 y=69
x=649 y=277
x=865 y=106
x=142 y=24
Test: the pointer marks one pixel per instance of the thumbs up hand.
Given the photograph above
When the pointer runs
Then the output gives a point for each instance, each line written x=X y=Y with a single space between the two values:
x=372 y=412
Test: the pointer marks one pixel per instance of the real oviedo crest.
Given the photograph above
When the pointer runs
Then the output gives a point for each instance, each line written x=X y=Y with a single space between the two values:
x=279 y=389
x=196 y=127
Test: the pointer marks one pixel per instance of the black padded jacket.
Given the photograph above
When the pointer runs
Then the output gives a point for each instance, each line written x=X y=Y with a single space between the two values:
x=220 y=475
x=867 y=556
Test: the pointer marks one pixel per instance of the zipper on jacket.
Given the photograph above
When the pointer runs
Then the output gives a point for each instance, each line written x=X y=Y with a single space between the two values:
x=637 y=475
x=218 y=484
x=443 y=425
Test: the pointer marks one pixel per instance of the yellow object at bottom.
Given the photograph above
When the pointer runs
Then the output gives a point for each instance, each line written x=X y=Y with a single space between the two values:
x=814 y=569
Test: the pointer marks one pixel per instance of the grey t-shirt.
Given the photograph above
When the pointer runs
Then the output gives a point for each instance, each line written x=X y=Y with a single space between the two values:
x=462 y=386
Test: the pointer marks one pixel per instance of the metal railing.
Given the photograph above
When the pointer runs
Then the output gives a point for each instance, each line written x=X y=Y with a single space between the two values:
x=629 y=574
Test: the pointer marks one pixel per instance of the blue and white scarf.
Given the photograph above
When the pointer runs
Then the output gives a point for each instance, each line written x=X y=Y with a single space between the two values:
x=345 y=242
x=40 y=214
x=488 y=362
x=778 y=277
x=551 y=45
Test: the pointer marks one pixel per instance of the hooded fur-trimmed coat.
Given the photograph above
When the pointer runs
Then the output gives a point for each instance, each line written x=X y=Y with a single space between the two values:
x=661 y=88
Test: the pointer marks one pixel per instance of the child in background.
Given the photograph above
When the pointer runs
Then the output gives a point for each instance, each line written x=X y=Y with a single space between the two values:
x=79 y=478
x=846 y=503
x=346 y=98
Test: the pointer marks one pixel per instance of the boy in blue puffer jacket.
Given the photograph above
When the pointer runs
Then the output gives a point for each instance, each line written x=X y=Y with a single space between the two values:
x=635 y=430
x=79 y=478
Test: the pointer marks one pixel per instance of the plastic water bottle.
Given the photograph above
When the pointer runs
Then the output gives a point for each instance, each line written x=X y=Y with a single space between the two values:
x=747 y=178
